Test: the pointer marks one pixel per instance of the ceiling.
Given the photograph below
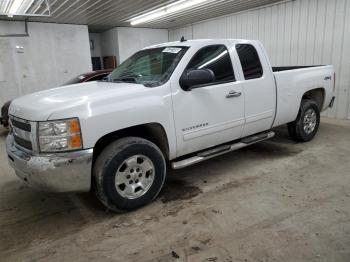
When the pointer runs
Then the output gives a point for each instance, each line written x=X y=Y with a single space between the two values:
x=101 y=15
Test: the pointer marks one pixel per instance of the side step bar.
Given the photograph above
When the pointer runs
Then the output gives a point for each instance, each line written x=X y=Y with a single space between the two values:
x=220 y=150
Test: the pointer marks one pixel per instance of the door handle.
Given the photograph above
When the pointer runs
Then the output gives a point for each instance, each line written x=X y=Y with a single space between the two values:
x=233 y=93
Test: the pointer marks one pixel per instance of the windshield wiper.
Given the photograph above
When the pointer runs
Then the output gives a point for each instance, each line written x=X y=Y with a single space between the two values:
x=129 y=78
x=125 y=79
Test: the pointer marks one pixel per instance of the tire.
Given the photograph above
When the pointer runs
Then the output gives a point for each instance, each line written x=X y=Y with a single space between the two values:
x=121 y=169
x=305 y=127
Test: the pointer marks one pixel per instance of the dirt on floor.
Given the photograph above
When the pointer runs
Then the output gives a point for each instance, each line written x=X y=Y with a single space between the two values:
x=274 y=201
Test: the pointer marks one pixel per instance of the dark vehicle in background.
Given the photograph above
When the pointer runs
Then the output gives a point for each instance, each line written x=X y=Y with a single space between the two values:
x=90 y=76
x=87 y=77
x=4 y=119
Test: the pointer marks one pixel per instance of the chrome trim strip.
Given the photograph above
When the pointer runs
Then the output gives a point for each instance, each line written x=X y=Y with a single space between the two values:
x=212 y=129
x=34 y=137
x=21 y=133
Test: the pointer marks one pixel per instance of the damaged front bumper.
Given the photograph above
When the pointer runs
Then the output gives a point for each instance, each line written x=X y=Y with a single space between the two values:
x=60 y=172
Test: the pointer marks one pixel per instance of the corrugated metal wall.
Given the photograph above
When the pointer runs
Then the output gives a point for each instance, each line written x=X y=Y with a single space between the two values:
x=301 y=32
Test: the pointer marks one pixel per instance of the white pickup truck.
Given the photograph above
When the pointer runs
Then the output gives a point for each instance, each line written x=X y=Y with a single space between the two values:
x=173 y=104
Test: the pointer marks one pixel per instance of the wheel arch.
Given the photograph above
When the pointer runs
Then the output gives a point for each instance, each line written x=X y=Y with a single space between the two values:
x=153 y=132
x=317 y=95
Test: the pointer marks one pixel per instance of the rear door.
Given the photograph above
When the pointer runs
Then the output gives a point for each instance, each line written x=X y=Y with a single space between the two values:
x=259 y=88
x=209 y=115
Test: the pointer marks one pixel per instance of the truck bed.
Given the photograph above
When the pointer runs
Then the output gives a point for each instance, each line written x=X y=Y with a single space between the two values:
x=294 y=81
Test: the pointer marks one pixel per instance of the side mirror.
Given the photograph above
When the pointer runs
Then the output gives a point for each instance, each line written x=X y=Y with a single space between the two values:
x=196 y=78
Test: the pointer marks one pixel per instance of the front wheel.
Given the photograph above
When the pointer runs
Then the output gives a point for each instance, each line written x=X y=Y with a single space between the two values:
x=129 y=173
x=305 y=127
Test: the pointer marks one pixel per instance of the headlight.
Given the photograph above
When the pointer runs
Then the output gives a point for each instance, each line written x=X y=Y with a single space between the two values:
x=60 y=135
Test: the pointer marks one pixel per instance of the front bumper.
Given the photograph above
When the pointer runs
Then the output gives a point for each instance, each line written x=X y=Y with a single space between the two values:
x=60 y=172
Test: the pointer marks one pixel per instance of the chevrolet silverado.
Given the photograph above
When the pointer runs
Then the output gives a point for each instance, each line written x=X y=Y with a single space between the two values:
x=169 y=105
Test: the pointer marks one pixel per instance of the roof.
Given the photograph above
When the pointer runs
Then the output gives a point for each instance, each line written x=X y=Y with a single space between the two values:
x=199 y=42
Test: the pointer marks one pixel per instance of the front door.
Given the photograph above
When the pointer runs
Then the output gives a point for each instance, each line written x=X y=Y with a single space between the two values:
x=211 y=114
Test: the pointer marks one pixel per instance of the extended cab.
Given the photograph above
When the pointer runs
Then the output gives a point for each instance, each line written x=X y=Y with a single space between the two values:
x=175 y=103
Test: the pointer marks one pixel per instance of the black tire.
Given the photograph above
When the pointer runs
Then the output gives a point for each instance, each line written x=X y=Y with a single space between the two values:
x=296 y=129
x=110 y=161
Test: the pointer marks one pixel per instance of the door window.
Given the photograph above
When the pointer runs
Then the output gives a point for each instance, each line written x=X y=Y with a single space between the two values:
x=250 y=61
x=215 y=58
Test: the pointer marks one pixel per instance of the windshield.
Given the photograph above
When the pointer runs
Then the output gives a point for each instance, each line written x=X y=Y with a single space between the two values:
x=150 y=67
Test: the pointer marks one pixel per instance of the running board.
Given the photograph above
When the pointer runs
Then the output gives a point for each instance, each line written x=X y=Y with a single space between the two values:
x=220 y=150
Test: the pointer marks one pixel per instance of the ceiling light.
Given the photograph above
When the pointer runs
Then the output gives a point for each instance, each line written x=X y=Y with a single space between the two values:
x=19 y=7
x=15 y=6
x=4 y=6
x=166 y=10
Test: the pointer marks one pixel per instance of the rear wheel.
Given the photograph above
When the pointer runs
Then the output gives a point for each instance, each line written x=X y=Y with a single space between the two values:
x=305 y=127
x=129 y=173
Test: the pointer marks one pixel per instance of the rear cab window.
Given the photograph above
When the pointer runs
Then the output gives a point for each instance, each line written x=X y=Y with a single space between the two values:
x=250 y=61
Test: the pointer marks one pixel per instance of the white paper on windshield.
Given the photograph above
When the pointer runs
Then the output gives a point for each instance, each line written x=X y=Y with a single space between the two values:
x=173 y=50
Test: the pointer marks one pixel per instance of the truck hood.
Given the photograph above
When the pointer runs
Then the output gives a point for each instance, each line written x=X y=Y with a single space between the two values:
x=41 y=105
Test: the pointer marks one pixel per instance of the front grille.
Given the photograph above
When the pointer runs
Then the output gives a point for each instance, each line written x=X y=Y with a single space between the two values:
x=21 y=130
x=23 y=143
x=21 y=125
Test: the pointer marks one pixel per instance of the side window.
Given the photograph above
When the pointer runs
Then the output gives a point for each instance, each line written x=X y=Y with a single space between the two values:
x=250 y=61
x=215 y=58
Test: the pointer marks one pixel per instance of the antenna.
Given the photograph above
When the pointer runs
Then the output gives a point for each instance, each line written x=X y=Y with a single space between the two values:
x=183 y=39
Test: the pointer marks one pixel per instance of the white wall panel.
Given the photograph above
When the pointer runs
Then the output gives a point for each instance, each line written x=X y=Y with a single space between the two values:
x=52 y=54
x=123 y=42
x=301 y=32
x=109 y=43
x=131 y=40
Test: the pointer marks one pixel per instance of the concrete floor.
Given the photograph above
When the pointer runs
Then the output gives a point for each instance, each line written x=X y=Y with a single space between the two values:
x=274 y=201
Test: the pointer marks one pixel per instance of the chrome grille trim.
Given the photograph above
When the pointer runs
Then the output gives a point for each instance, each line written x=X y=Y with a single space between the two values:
x=24 y=132
x=21 y=133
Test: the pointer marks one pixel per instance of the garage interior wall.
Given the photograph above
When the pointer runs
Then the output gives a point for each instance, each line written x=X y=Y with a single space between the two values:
x=109 y=43
x=51 y=54
x=301 y=32
x=122 y=42
x=96 y=38
x=131 y=40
